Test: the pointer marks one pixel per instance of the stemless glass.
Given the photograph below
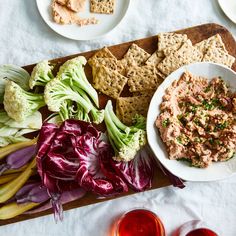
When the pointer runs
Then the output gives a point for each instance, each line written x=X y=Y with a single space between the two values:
x=139 y=222
x=194 y=228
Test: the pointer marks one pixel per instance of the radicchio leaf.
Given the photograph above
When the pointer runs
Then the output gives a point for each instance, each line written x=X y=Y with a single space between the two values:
x=138 y=173
x=96 y=173
x=176 y=181
x=66 y=197
x=73 y=155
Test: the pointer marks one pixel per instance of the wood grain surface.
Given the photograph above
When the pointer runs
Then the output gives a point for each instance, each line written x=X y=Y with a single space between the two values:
x=196 y=34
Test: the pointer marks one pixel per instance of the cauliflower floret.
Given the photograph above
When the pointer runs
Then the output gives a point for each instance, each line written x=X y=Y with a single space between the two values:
x=41 y=74
x=20 y=104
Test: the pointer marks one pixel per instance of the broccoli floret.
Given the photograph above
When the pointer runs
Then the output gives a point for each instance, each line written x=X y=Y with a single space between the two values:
x=20 y=104
x=57 y=91
x=41 y=74
x=74 y=71
x=126 y=141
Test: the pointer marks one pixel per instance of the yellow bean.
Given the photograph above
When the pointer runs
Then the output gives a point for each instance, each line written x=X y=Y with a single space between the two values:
x=13 y=209
x=9 y=189
x=4 y=151
x=6 y=178
x=15 y=171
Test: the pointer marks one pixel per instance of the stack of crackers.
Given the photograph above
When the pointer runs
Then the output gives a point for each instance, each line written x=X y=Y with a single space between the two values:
x=142 y=73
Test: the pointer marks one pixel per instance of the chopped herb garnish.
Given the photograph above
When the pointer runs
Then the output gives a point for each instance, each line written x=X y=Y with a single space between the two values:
x=166 y=122
x=221 y=126
x=184 y=159
x=196 y=121
x=207 y=105
x=179 y=140
x=207 y=89
x=211 y=141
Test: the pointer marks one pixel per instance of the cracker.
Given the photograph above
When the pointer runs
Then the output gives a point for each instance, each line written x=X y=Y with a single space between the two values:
x=218 y=55
x=135 y=56
x=128 y=107
x=120 y=67
x=185 y=55
x=143 y=78
x=149 y=93
x=167 y=51
x=205 y=44
x=110 y=63
x=166 y=40
x=109 y=82
x=103 y=53
x=155 y=58
x=102 y=6
x=161 y=74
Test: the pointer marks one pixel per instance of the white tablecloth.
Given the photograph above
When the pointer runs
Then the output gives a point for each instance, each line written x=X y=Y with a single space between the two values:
x=26 y=39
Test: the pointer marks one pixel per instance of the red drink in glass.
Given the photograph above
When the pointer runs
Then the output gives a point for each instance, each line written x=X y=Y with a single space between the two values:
x=194 y=228
x=201 y=232
x=140 y=222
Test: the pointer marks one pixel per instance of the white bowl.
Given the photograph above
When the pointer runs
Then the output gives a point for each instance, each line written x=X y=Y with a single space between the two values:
x=105 y=25
x=216 y=171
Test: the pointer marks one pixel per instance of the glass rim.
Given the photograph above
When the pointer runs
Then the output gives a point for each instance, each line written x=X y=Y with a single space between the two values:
x=160 y=223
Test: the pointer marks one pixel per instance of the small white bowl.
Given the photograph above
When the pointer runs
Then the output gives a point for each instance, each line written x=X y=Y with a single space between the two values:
x=107 y=22
x=216 y=171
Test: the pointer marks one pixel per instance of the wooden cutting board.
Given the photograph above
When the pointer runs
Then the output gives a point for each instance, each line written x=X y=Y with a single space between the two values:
x=196 y=34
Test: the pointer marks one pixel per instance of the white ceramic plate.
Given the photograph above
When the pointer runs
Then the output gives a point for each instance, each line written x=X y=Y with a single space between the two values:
x=229 y=8
x=216 y=171
x=105 y=25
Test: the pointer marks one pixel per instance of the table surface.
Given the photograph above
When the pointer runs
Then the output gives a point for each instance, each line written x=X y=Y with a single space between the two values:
x=26 y=39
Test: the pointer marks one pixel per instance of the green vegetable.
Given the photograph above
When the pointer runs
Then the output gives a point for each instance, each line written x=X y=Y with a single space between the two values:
x=58 y=91
x=126 y=141
x=70 y=92
x=12 y=131
x=13 y=209
x=41 y=74
x=73 y=71
x=4 y=141
x=20 y=104
x=13 y=73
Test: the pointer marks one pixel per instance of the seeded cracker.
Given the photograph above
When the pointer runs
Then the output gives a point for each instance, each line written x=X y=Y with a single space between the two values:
x=102 y=6
x=103 y=53
x=167 y=51
x=155 y=58
x=218 y=55
x=185 y=55
x=128 y=107
x=135 y=56
x=166 y=40
x=205 y=44
x=143 y=78
x=109 y=82
x=96 y=63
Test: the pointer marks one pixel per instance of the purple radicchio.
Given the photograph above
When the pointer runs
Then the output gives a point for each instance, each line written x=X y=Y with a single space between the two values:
x=138 y=173
x=74 y=155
